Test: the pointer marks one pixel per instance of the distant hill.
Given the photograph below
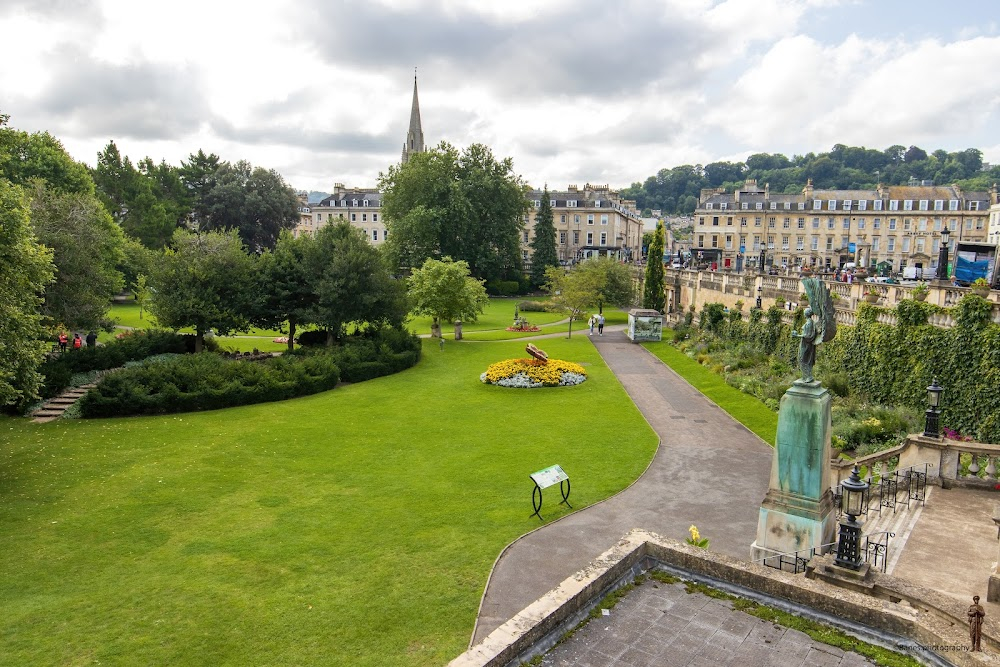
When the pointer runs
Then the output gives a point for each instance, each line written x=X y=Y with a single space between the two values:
x=315 y=196
x=676 y=190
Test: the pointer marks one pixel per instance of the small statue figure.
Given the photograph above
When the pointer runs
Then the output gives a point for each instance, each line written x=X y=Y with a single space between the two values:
x=516 y=315
x=815 y=333
x=976 y=614
x=807 y=346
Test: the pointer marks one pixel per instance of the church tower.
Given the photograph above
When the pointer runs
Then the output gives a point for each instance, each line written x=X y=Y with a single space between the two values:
x=415 y=135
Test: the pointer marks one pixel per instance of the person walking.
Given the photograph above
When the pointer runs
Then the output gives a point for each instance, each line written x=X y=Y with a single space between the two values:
x=91 y=339
x=600 y=325
x=77 y=341
x=592 y=321
x=63 y=340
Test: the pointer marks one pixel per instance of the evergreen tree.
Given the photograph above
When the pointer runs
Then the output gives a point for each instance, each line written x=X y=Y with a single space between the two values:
x=652 y=295
x=543 y=246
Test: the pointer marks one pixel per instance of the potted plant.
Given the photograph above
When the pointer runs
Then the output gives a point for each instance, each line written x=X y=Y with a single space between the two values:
x=981 y=287
x=871 y=296
x=920 y=292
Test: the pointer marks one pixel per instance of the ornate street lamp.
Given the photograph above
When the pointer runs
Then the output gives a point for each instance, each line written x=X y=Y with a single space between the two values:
x=854 y=503
x=933 y=413
x=942 y=267
x=759 y=290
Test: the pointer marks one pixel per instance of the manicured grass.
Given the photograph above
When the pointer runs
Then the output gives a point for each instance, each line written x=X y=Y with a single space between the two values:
x=744 y=408
x=499 y=314
x=248 y=343
x=353 y=527
x=610 y=317
x=127 y=314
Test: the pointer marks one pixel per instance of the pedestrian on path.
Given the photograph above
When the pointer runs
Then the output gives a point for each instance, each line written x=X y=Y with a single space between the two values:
x=600 y=325
x=77 y=341
x=63 y=340
x=92 y=339
x=592 y=322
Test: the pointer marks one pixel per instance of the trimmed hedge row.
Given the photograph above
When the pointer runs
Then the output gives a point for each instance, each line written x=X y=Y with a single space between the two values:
x=208 y=381
x=133 y=346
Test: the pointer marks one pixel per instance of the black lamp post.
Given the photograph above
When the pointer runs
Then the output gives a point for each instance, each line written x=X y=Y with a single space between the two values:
x=854 y=503
x=942 y=268
x=932 y=415
x=759 y=290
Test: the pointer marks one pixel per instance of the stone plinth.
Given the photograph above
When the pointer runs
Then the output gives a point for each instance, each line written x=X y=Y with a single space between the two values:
x=797 y=512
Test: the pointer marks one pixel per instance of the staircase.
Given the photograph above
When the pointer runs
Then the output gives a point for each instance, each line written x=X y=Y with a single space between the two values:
x=55 y=407
x=897 y=519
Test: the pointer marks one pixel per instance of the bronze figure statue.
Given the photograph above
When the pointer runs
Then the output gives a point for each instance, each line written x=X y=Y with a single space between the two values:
x=815 y=333
x=976 y=614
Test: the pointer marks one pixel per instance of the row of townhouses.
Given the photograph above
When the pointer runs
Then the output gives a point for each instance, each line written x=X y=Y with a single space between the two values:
x=899 y=225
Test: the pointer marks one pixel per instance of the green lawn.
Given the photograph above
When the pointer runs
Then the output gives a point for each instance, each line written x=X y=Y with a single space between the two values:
x=353 y=527
x=747 y=410
x=499 y=315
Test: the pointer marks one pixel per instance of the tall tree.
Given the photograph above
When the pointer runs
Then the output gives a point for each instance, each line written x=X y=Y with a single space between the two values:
x=653 y=296
x=468 y=205
x=40 y=156
x=287 y=289
x=256 y=202
x=351 y=283
x=25 y=270
x=205 y=281
x=543 y=246
x=136 y=199
x=87 y=249
x=446 y=290
x=196 y=174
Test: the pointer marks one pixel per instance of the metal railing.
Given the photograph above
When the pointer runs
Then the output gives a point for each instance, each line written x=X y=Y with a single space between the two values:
x=877 y=550
x=796 y=559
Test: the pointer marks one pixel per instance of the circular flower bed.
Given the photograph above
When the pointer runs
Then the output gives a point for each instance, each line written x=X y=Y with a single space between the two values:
x=528 y=327
x=528 y=373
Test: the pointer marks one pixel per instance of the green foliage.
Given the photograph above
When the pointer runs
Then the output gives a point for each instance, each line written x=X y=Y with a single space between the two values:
x=653 y=296
x=532 y=306
x=205 y=282
x=26 y=159
x=25 y=271
x=207 y=381
x=589 y=284
x=503 y=287
x=712 y=316
x=543 y=245
x=446 y=291
x=468 y=206
x=132 y=346
x=911 y=313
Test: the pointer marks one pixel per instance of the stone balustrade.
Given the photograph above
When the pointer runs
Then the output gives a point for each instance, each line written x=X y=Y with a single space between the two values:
x=685 y=287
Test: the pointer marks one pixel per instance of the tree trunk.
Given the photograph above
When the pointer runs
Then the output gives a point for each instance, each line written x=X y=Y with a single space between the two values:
x=291 y=334
x=571 y=318
x=329 y=337
x=199 y=340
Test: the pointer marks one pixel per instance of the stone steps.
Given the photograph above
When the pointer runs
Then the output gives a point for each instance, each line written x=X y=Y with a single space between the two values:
x=900 y=523
x=56 y=406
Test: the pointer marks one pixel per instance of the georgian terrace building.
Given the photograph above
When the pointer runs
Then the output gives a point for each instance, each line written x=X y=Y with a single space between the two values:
x=593 y=221
x=590 y=222
x=828 y=228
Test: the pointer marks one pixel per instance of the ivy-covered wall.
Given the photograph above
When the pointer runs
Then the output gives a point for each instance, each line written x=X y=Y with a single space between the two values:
x=894 y=365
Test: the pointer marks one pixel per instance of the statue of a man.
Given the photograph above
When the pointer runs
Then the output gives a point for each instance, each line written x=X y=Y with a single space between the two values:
x=976 y=614
x=807 y=346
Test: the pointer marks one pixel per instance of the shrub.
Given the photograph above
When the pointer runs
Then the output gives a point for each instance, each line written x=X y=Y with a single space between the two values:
x=312 y=337
x=130 y=346
x=532 y=306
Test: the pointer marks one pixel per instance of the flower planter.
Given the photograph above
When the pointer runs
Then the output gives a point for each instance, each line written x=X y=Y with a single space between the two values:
x=919 y=296
x=871 y=298
x=981 y=291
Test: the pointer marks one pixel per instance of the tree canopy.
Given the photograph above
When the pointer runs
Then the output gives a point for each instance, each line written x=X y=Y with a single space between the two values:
x=590 y=284
x=256 y=202
x=205 y=281
x=653 y=296
x=445 y=290
x=468 y=205
x=25 y=271
x=543 y=245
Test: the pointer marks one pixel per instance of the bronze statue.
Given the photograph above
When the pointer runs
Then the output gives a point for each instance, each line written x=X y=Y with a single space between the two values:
x=815 y=333
x=976 y=614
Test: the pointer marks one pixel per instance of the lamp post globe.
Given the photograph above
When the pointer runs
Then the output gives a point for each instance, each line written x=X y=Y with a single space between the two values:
x=932 y=416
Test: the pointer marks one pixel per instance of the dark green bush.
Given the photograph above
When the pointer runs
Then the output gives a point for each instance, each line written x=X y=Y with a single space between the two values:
x=312 y=338
x=208 y=381
x=132 y=346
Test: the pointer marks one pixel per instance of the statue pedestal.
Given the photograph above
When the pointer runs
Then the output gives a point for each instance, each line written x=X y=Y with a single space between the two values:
x=797 y=512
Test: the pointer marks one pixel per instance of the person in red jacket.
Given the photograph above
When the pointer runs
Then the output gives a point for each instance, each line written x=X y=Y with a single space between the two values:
x=62 y=341
x=77 y=341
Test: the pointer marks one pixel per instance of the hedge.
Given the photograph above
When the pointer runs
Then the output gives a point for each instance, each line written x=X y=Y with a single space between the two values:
x=208 y=381
x=58 y=370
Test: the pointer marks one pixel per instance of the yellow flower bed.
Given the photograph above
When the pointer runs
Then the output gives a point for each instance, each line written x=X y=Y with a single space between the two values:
x=534 y=372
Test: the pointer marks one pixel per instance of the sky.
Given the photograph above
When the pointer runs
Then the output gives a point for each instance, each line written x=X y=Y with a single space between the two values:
x=575 y=92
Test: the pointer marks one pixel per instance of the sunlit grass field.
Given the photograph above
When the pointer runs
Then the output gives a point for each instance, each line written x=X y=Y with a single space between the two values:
x=352 y=527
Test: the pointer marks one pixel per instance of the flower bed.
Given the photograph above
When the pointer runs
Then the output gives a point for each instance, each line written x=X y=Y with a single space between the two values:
x=529 y=327
x=530 y=373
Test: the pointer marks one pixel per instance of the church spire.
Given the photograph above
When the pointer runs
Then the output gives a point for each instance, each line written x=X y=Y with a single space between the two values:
x=415 y=135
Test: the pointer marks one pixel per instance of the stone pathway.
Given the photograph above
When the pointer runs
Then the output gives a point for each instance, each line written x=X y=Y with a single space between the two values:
x=709 y=470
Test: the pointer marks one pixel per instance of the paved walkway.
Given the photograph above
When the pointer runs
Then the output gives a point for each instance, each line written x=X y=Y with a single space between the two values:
x=709 y=470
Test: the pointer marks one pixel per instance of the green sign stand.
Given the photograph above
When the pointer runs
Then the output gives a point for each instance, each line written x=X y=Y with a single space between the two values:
x=545 y=478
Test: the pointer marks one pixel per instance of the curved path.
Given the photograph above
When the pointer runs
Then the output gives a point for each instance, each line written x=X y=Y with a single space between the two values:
x=709 y=470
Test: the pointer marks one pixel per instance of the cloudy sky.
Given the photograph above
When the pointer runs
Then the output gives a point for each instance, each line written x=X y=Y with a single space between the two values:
x=600 y=91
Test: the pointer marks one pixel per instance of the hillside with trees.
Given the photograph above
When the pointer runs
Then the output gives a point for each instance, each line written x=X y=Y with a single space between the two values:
x=676 y=190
